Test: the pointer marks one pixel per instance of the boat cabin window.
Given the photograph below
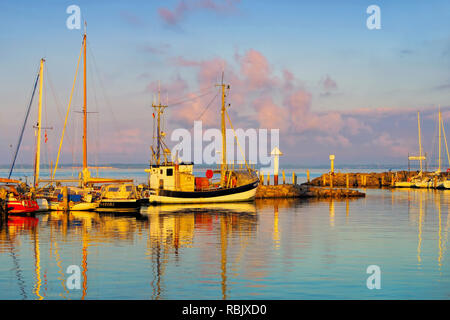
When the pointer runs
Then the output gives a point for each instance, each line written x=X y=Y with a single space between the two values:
x=113 y=189
x=128 y=188
x=161 y=171
x=169 y=172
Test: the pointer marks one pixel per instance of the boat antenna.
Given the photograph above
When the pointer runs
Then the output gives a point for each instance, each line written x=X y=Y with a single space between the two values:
x=159 y=109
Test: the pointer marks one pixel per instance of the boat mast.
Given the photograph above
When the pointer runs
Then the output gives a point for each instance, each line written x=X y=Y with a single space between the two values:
x=159 y=109
x=420 y=142
x=223 y=167
x=38 y=126
x=85 y=163
x=440 y=129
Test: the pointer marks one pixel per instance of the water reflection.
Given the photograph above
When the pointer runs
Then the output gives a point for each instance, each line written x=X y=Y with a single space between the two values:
x=173 y=227
x=271 y=248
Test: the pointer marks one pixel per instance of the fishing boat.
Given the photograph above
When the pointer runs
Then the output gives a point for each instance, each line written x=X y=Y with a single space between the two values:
x=119 y=198
x=173 y=182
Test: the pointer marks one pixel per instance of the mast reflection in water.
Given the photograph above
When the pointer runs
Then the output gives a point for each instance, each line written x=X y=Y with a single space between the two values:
x=270 y=249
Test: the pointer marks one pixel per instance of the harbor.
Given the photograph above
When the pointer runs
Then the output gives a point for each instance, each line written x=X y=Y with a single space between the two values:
x=224 y=154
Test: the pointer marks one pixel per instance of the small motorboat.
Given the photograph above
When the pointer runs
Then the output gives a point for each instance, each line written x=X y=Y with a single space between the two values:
x=119 y=198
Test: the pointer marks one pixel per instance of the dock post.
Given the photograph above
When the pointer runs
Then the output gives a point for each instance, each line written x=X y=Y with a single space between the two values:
x=382 y=181
x=435 y=182
x=65 y=193
x=307 y=176
x=275 y=179
x=331 y=180
x=284 y=177
x=261 y=178
x=268 y=178
x=347 y=181
x=294 y=179
x=392 y=179
x=324 y=178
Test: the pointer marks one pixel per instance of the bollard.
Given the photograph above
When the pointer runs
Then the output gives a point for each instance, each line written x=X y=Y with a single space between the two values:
x=435 y=182
x=331 y=180
x=324 y=180
x=65 y=198
x=275 y=179
x=268 y=178
x=347 y=180
x=294 y=179
x=284 y=177
x=392 y=179
x=262 y=178
x=307 y=176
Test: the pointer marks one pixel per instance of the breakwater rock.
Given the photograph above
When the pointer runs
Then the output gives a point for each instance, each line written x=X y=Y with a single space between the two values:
x=303 y=191
x=372 y=179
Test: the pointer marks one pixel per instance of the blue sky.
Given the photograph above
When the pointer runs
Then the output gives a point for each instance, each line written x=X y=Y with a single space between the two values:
x=340 y=65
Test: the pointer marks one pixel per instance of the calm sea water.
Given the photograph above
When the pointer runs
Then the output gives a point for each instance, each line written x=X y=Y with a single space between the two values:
x=277 y=249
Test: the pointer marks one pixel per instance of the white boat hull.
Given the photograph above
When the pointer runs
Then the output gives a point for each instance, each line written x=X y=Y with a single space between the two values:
x=248 y=193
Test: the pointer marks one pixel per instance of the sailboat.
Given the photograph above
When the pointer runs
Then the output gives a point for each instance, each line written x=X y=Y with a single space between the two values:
x=173 y=182
x=84 y=197
x=411 y=182
x=18 y=202
x=435 y=180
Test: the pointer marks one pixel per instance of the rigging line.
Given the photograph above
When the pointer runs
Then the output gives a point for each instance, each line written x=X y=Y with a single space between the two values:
x=68 y=110
x=46 y=123
x=23 y=127
x=207 y=107
x=192 y=99
x=96 y=138
x=445 y=140
x=237 y=141
x=199 y=92
x=57 y=101
x=433 y=144
x=108 y=104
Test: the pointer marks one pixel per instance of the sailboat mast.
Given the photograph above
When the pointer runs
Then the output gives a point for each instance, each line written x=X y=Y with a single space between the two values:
x=85 y=163
x=420 y=142
x=440 y=129
x=38 y=136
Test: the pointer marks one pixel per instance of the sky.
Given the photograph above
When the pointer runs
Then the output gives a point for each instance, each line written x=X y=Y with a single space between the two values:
x=309 y=68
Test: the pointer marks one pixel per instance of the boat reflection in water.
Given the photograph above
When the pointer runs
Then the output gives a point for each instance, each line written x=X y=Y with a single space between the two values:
x=173 y=227
x=270 y=249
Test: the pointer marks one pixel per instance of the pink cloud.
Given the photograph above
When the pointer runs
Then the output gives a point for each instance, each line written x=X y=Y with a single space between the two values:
x=255 y=67
x=182 y=8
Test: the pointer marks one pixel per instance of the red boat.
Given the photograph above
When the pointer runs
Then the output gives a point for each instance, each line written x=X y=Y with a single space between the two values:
x=21 y=206
x=15 y=202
